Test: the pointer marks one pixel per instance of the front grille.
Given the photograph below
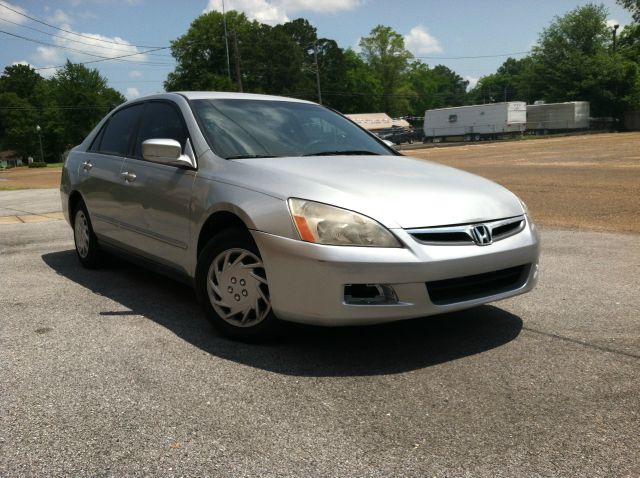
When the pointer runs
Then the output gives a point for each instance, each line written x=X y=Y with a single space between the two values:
x=506 y=230
x=460 y=289
x=462 y=234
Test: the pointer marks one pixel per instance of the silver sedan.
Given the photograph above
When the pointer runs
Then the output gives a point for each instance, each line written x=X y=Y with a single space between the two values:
x=280 y=209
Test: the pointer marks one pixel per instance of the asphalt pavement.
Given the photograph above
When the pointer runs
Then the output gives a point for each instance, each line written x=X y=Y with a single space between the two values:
x=115 y=372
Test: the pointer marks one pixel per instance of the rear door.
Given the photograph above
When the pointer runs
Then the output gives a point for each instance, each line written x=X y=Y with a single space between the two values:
x=157 y=197
x=101 y=183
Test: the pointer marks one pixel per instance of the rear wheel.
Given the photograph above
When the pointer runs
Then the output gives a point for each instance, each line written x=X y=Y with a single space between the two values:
x=232 y=286
x=86 y=242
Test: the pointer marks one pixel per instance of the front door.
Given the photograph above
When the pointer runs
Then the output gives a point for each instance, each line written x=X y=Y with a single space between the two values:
x=157 y=197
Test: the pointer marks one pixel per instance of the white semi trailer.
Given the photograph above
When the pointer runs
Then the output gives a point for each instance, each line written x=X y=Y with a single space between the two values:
x=556 y=117
x=476 y=122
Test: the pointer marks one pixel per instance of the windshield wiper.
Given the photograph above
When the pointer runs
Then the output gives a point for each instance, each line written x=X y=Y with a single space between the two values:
x=348 y=152
x=248 y=156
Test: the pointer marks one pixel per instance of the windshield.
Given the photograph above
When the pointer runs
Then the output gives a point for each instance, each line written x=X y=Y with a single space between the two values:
x=241 y=128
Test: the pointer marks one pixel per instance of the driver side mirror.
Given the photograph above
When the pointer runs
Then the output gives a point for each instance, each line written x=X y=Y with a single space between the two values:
x=165 y=151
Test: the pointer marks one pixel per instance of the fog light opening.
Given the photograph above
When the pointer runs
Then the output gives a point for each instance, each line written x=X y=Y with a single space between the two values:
x=369 y=294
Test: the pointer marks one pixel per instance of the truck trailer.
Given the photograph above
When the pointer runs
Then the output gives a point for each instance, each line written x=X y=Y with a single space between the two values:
x=557 y=117
x=476 y=122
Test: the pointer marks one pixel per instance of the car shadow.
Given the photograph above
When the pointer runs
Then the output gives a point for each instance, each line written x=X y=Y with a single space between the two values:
x=302 y=350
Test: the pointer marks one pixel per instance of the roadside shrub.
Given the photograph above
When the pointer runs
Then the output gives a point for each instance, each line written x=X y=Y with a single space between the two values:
x=38 y=164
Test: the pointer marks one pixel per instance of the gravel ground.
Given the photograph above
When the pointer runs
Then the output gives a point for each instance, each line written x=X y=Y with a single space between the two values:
x=116 y=373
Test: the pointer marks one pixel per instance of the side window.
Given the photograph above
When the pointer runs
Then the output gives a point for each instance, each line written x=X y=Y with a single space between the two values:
x=95 y=144
x=160 y=120
x=116 y=136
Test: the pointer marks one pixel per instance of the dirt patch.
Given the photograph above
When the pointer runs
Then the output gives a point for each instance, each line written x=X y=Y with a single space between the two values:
x=30 y=178
x=589 y=182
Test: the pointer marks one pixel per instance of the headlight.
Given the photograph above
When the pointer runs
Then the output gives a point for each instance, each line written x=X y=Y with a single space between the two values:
x=324 y=224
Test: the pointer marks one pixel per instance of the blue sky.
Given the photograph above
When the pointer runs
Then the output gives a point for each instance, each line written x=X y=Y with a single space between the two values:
x=436 y=30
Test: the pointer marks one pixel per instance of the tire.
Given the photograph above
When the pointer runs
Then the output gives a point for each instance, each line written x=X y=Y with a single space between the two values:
x=85 y=240
x=235 y=299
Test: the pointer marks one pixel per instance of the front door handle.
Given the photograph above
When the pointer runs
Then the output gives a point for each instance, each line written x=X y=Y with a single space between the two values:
x=87 y=165
x=128 y=177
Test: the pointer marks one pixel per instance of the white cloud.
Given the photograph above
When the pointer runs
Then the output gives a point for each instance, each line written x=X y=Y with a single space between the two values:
x=47 y=54
x=97 y=45
x=22 y=62
x=273 y=12
x=473 y=81
x=59 y=18
x=132 y=93
x=135 y=74
x=75 y=3
x=12 y=16
x=420 y=42
x=611 y=22
x=325 y=6
x=260 y=10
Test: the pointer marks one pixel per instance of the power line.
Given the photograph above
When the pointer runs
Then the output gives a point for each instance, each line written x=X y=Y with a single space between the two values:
x=103 y=58
x=72 y=32
x=76 y=41
x=95 y=61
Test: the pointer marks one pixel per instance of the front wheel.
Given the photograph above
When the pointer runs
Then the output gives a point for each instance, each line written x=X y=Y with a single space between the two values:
x=232 y=286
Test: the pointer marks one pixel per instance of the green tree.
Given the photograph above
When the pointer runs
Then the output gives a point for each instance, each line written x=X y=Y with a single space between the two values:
x=21 y=80
x=506 y=84
x=574 y=61
x=23 y=96
x=201 y=53
x=18 y=120
x=383 y=50
x=451 y=88
x=362 y=91
x=82 y=98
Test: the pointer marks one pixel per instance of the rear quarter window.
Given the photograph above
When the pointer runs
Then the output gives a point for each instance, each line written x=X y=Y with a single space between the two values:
x=116 y=135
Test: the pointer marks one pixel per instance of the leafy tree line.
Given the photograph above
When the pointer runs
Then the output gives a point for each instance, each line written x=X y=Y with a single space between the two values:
x=282 y=60
x=66 y=106
x=575 y=58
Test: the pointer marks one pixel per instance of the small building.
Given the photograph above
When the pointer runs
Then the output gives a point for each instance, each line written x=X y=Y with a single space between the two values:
x=475 y=122
x=372 y=121
x=10 y=159
x=567 y=116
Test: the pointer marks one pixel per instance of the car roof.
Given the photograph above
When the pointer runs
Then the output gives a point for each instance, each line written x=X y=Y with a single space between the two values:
x=218 y=95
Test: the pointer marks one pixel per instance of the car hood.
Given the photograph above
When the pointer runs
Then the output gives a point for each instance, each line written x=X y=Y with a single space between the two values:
x=397 y=191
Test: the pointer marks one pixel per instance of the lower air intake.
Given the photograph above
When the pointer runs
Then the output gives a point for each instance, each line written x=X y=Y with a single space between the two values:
x=461 y=289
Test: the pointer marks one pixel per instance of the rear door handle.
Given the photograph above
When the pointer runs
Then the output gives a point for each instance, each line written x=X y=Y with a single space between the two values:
x=87 y=165
x=128 y=177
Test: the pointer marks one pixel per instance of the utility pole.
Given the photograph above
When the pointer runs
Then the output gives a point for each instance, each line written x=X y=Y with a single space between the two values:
x=226 y=39
x=236 y=58
x=315 y=57
x=38 y=129
x=615 y=29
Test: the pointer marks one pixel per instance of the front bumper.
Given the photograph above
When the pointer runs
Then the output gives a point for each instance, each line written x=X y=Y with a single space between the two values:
x=306 y=281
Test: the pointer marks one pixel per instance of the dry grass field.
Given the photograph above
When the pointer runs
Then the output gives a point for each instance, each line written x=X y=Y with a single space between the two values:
x=26 y=178
x=588 y=182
